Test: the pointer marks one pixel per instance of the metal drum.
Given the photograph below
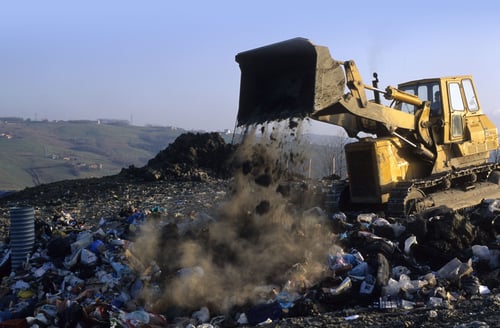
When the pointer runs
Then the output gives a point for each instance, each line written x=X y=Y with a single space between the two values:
x=22 y=234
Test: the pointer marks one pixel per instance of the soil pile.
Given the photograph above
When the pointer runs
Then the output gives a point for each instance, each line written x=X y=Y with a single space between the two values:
x=191 y=157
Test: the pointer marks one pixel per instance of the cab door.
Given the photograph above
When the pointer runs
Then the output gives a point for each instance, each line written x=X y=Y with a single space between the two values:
x=464 y=110
x=457 y=111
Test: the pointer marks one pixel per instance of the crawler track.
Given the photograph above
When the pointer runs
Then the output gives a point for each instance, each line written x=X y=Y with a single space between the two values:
x=457 y=190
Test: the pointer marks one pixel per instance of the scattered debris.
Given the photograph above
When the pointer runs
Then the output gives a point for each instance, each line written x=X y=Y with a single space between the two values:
x=241 y=251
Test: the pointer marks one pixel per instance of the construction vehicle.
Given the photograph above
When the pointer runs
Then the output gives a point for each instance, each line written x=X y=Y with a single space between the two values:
x=411 y=154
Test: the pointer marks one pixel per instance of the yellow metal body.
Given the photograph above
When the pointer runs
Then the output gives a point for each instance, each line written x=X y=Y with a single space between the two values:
x=375 y=165
x=414 y=137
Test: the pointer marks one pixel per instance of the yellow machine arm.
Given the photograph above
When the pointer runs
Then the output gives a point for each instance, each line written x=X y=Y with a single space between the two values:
x=295 y=78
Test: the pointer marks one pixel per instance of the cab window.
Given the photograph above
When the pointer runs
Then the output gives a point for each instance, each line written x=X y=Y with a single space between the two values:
x=425 y=92
x=422 y=93
x=457 y=129
x=456 y=97
x=405 y=107
x=470 y=96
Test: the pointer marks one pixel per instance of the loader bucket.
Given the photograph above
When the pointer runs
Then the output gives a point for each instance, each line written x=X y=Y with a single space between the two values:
x=293 y=78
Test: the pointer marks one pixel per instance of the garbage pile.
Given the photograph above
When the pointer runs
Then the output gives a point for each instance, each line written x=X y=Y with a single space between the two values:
x=101 y=276
x=259 y=256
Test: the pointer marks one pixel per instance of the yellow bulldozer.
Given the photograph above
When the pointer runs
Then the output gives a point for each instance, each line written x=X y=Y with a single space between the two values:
x=429 y=146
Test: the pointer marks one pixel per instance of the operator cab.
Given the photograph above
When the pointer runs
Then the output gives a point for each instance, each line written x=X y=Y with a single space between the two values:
x=453 y=103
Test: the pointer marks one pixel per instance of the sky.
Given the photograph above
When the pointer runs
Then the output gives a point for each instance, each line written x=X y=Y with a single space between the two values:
x=172 y=63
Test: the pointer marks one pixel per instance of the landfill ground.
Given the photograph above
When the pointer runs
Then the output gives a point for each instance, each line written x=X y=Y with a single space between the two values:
x=204 y=219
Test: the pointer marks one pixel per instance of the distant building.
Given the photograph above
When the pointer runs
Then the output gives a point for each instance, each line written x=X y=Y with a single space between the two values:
x=95 y=166
x=11 y=119
x=109 y=121
x=83 y=121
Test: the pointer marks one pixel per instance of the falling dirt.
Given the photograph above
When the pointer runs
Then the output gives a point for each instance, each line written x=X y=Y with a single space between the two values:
x=257 y=238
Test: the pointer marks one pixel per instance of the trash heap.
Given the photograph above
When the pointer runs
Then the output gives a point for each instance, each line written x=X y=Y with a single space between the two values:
x=262 y=255
x=97 y=276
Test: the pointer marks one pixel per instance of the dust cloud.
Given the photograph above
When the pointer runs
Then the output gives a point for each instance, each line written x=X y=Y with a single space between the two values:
x=260 y=239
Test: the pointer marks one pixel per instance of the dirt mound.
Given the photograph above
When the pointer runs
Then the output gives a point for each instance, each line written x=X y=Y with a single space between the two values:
x=191 y=157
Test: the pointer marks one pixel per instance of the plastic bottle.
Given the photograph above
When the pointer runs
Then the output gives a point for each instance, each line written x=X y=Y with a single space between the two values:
x=285 y=299
x=84 y=239
x=202 y=315
x=287 y=296
x=409 y=242
x=137 y=316
x=481 y=252
x=120 y=269
x=136 y=288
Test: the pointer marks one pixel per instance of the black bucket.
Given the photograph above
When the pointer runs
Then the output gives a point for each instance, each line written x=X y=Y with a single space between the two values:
x=293 y=78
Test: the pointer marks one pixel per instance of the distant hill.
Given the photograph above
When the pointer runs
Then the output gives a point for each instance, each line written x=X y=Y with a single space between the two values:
x=35 y=152
x=41 y=152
